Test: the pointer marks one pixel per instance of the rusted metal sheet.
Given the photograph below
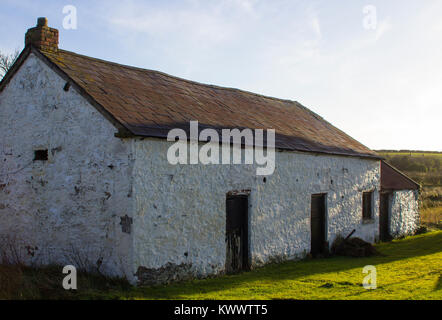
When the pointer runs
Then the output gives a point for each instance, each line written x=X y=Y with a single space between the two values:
x=393 y=179
x=150 y=103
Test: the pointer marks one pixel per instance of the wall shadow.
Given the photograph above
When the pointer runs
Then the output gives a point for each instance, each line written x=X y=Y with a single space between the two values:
x=390 y=252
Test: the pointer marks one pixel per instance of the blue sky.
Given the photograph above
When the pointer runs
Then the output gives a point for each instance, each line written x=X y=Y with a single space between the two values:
x=382 y=86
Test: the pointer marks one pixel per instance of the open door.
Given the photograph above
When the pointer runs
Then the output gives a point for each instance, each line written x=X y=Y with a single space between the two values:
x=237 y=245
x=384 y=217
x=318 y=229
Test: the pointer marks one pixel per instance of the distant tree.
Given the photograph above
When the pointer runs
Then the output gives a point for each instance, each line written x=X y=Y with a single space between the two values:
x=6 y=62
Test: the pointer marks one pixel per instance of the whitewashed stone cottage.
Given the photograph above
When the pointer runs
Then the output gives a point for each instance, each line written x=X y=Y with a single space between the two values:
x=84 y=176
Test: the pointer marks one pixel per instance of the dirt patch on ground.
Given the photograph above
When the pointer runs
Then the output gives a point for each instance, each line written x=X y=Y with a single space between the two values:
x=353 y=247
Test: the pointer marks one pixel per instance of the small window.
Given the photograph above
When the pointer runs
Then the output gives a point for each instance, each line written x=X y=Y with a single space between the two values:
x=41 y=155
x=367 y=208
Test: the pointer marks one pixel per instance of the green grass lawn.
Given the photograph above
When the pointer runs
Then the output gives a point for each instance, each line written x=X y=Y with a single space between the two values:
x=410 y=153
x=410 y=268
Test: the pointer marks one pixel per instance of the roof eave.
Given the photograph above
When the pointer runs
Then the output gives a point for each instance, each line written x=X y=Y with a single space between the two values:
x=154 y=134
x=14 y=68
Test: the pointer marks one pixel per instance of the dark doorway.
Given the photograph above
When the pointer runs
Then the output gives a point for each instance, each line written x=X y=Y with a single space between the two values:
x=384 y=217
x=318 y=230
x=237 y=240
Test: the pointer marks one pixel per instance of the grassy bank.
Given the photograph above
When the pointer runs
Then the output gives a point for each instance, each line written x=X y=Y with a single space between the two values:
x=409 y=268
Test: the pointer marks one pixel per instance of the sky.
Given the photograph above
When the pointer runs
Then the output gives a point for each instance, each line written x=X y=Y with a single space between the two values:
x=371 y=68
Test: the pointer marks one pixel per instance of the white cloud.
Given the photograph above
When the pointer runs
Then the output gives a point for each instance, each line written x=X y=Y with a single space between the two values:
x=280 y=49
x=382 y=28
x=195 y=20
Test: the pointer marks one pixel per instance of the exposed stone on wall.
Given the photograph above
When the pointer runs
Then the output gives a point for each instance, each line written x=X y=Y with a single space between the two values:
x=166 y=274
x=126 y=224
x=404 y=214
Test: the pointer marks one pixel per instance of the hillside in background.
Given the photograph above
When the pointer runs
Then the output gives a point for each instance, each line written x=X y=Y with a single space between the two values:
x=424 y=167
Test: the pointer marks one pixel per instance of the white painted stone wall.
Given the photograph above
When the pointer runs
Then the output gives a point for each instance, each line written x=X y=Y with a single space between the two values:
x=404 y=213
x=67 y=209
x=180 y=210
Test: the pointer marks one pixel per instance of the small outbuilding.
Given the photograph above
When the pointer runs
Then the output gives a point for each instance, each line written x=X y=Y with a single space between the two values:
x=399 y=204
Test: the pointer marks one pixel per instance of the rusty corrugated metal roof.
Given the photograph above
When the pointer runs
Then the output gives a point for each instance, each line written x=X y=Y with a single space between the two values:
x=393 y=179
x=150 y=103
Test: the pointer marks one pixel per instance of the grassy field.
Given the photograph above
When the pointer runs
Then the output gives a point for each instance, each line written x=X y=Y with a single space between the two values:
x=432 y=216
x=411 y=153
x=409 y=268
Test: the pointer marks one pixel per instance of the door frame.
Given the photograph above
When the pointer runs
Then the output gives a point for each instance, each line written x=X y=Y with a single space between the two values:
x=245 y=243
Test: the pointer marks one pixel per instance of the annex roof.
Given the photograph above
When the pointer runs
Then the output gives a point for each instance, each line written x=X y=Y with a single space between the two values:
x=393 y=179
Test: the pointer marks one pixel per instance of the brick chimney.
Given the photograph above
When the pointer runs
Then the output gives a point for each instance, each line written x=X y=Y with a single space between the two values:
x=42 y=37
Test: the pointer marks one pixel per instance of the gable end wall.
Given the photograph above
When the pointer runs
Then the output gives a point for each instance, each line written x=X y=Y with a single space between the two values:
x=66 y=210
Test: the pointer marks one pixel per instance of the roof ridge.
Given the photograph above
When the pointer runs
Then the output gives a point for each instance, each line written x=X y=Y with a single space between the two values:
x=181 y=79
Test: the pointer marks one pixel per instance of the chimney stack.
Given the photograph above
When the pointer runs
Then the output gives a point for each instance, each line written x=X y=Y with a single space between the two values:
x=42 y=37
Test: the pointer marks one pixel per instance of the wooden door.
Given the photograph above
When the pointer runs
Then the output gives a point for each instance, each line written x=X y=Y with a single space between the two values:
x=237 y=245
x=384 y=217
x=318 y=230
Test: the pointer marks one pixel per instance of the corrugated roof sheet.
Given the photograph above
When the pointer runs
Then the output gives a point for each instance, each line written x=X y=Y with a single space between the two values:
x=150 y=103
